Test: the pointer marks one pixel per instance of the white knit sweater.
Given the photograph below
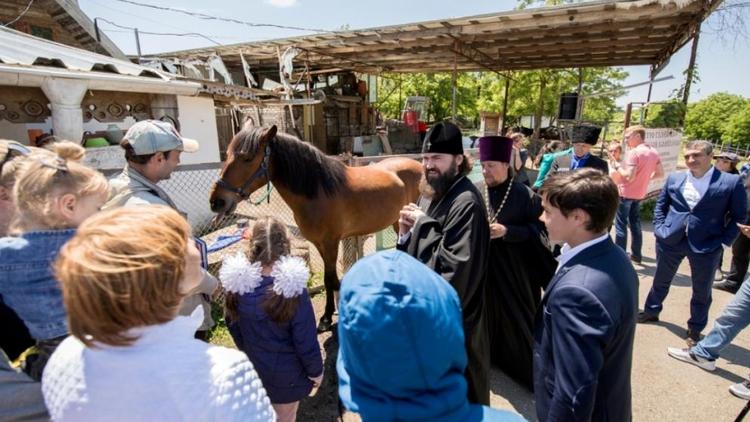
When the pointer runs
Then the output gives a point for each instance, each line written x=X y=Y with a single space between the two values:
x=166 y=375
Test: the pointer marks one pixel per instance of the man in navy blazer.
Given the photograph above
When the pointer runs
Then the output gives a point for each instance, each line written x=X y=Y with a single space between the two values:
x=583 y=340
x=697 y=211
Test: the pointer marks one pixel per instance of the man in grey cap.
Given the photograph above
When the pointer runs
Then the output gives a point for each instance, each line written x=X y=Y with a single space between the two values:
x=152 y=150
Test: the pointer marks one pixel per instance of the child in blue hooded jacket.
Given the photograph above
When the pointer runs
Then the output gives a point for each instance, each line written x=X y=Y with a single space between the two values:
x=401 y=345
x=271 y=318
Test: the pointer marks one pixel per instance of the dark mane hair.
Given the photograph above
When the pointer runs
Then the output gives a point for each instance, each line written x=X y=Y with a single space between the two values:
x=299 y=166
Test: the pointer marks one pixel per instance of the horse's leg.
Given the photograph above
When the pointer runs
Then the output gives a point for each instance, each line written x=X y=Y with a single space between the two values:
x=329 y=252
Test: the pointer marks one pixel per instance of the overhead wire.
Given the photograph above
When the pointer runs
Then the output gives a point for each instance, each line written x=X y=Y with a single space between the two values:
x=125 y=31
x=117 y=11
x=28 y=6
x=220 y=18
x=175 y=34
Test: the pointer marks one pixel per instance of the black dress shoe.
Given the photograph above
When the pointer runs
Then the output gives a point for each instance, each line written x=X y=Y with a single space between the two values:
x=634 y=258
x=727 y=286
x=643 y=317
x=693 y=337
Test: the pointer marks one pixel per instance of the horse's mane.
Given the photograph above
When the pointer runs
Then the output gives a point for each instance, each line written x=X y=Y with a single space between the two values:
x=299 y=166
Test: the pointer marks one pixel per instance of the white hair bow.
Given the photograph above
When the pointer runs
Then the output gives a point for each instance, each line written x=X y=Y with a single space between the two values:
x=239 y=275
x=290 y=275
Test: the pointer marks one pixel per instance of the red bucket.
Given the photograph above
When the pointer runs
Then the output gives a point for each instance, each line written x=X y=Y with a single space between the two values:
x=410 y=117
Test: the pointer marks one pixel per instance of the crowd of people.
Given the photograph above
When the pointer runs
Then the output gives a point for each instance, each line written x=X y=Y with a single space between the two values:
x=106 y=297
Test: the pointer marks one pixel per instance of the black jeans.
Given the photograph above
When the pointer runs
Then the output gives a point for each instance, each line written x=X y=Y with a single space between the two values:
x=740 y=260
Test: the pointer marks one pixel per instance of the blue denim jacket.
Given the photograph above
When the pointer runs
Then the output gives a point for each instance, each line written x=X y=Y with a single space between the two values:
x=27 y=283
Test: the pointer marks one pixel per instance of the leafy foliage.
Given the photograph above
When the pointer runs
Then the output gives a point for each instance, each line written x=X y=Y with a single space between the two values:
x=738 y=128
x=485 y=91
x=709 y=118
x=667 y=114
x=393 y=90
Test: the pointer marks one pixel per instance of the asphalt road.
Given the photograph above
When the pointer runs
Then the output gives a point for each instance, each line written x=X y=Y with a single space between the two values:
x=664 y=389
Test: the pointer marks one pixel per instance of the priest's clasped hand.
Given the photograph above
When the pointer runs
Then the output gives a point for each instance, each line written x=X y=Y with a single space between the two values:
x=497 y=230
x=408 y=216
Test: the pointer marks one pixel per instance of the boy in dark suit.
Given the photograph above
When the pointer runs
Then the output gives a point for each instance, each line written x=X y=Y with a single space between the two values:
x=583 y=340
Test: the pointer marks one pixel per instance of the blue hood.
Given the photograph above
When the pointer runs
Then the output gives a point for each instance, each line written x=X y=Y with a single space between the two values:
x=401 y=342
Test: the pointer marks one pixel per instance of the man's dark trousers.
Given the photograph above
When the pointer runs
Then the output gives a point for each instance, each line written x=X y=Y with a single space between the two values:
x=740 y=260
x=702 y=268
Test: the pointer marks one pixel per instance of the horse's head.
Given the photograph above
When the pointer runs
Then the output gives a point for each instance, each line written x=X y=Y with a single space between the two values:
x=245 y=170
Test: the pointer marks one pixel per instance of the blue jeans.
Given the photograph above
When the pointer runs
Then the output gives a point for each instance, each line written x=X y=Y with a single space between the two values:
x=702 y=268
x=733 y=319
x=629 y=211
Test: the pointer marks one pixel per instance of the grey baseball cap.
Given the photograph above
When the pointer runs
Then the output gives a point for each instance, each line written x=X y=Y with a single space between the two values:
x=152 y=136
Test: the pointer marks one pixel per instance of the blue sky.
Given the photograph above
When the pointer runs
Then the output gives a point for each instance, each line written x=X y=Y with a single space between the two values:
x=722 y=64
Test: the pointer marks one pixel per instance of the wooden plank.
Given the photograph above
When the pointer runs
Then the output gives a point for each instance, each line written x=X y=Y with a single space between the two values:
x=528 y=39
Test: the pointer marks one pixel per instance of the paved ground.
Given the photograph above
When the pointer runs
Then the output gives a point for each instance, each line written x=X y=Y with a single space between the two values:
x=663 y=388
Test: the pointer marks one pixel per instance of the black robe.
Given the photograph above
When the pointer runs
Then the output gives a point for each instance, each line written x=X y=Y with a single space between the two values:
x=519 y=267
x=453 y=239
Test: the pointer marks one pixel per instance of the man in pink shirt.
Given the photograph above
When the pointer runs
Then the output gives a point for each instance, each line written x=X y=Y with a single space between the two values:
x=642 y=163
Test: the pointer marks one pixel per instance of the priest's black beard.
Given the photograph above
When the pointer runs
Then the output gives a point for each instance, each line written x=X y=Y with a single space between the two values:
x=437 y=187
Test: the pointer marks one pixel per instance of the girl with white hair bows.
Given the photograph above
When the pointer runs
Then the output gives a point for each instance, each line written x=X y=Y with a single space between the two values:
x=271 y=318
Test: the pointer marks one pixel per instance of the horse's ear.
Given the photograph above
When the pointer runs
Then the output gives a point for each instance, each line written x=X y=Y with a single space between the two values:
x=249 y=123
x=269 y=134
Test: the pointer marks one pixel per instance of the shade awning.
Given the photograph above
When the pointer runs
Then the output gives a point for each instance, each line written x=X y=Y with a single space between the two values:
x=601 y=33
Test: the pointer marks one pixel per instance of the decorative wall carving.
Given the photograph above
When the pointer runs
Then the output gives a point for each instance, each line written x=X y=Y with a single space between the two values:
x=112 y=106
x=23 y=105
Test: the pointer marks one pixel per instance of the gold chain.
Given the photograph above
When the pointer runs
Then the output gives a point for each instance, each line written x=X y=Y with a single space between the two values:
x=489 y=205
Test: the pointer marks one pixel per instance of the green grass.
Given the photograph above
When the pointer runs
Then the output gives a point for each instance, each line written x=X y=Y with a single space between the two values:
x=219 y=334
x=647 y=209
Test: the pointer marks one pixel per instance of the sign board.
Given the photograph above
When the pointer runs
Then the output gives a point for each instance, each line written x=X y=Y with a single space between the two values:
x=667 y=142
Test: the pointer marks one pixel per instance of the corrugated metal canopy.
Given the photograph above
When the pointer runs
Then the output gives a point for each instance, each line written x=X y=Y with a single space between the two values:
x=601 y=33
x=29 y=61
x=18 y=48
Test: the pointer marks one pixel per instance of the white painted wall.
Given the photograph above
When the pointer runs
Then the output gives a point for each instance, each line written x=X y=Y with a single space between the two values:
x=198 y=121
x=14 y=131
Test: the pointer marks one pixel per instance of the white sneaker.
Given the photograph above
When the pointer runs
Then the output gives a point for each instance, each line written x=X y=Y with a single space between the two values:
x=741 y=390
x=686 y=356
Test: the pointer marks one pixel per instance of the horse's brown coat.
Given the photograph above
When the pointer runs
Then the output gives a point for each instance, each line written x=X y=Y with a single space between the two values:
x=355 y=201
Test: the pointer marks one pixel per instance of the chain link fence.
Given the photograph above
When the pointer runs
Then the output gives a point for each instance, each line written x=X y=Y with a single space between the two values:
x=190 y=186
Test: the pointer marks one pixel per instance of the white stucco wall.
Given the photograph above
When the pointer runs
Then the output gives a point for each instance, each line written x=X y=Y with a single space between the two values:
x=198 y=121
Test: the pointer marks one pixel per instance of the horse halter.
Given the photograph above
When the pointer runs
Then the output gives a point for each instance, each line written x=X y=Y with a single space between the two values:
x=262 y=171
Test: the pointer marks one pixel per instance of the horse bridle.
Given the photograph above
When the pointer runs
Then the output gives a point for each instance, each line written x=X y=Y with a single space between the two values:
x=262 y=171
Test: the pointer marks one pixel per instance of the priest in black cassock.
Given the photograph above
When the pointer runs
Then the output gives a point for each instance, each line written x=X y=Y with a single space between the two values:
x=519 y=263
x=447 y=230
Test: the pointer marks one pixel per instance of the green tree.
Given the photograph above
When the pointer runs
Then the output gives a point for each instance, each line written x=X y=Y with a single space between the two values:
x=738 y=129
x=668 y=114
x=709 y=118
x=393 y=90
x=531 y=93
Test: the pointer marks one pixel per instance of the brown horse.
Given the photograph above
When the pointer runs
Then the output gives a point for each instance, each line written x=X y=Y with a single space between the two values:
x=330 y=200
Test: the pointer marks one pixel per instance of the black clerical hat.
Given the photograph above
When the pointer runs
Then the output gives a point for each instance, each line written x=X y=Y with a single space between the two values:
x=585 y=133
x=444 y=138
